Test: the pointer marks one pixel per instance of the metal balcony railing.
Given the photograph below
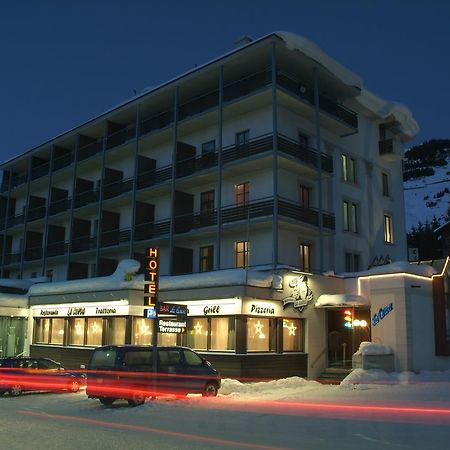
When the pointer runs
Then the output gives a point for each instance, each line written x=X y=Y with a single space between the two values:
x=120 y=137
x=90 y=149
x=156 y=122
x=154 y=177
x=63 y=161
x=40 y=171
x=59 y=206
x=15 y=220
x=85 y=198
x=83 y=243
x=36 y=213
x=149 y=230
x=57 y=248
x=254 y=146
x=117 y=188
x=32 y=254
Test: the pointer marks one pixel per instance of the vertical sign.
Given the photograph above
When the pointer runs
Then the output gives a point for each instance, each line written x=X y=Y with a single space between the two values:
x=151 y=274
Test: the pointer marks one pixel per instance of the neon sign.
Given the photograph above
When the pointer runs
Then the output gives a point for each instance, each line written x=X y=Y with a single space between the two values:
x=382 y=313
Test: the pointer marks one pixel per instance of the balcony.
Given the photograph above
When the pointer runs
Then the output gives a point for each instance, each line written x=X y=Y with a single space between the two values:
x=85 y=198
x=390 y=150
x=151 y=230
x=117 y=188
x=91 y=149
x=128 y=133
x=32 y=254
x=83 y=243
x=36 y=213
x=114 y=237
x=57 y=249
x=12 y=221
x=59 y=206
x=154 y=177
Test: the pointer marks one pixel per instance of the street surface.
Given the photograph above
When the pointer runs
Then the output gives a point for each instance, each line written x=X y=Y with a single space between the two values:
x=341 y=420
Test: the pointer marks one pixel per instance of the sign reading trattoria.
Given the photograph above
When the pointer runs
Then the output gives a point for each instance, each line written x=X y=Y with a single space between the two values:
x=151 y=274
x=172 y=326
x=81 y=311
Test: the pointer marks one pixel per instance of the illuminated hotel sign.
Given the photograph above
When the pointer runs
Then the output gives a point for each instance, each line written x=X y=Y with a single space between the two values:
x=151 y=274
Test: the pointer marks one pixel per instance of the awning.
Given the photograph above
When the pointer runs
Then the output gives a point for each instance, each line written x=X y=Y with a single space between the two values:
x=341 y=300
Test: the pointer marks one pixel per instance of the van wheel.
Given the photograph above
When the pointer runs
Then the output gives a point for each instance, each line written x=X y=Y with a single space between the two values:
x=15 y=390
x=210 y=390
x=107 y=401
x=137 y=399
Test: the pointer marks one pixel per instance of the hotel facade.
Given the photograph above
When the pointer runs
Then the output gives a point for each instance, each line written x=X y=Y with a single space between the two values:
x=266 y=178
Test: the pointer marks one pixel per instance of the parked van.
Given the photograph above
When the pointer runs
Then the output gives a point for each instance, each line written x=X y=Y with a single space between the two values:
x=126 y=372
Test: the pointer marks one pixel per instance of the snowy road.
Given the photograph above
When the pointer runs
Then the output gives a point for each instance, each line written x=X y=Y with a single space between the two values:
x=262 y=416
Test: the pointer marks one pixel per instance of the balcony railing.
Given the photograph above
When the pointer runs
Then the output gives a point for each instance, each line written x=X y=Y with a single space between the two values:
x=57 y=248
x=154 y=177
x=120 y=137
x=40 y=171
x=63 y=161
x=32 y=254
x=90 y=149
x=83 y=243
x=85 y=198
x=332 y=107
x=13 y=258
x=156 y=122
x=36 y=213
x=59 y=206
x=254 y=146
x=149 y=230
x=117 y=188
x=15 y=220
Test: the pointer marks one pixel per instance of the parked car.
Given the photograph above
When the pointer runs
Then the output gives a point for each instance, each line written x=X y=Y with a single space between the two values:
x=126 y=372
x=21 y=374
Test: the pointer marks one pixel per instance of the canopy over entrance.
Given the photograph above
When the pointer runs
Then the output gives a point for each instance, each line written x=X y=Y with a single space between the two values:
x=341 y=300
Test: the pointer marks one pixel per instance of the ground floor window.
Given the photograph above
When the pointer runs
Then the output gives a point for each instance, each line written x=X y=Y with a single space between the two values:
x=261 y=334
x=142 y=331
x=12 y=335
x=212 y=333
x=292 y=335
x=49 y=331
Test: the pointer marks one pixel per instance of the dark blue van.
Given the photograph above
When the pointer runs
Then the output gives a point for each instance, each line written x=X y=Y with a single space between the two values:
x=127 y=372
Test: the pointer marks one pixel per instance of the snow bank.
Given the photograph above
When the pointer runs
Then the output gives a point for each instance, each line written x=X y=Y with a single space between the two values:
x=372 y=348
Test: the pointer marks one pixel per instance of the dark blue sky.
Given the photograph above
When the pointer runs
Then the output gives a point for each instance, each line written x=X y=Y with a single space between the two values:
x=66 y=62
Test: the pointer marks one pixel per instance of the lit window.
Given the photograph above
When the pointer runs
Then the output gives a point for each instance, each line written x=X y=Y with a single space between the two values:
x=388 y=236
x=142 y=331
x=211 y=333
x=305 y=257
x=350 y=216
x=348 y=169
x=198 y=333
x=117 y=330
x=292 y=335
x=242 y=253
x=76 y=331
x=260 y=334
x=94 y=331
x=242 y=194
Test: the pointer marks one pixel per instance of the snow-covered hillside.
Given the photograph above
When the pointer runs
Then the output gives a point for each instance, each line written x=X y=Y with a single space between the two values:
x=428 y=196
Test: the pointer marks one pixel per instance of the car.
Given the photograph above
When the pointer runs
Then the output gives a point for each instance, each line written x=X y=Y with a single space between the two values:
x=127 y=372
x=22 y=374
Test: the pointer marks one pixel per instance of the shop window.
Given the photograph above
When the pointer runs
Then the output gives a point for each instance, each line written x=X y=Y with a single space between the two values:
x=57 y=333
x=42 y=333
x=212 y=333
x=242 y=253
x=94 y=331
x=167 y=339
x=142 y=331
x=117 y=330
x=260 y=334
x=223 y=333
x=292 y=335
x=388 y=236
x=197 y=337
x=76 y=331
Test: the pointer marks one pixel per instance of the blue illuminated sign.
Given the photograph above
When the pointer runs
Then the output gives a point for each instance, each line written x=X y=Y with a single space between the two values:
x=382 y=313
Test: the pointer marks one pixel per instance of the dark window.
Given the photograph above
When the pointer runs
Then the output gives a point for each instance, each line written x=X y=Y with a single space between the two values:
x=242 y=138
x=304 y=196
x=352 y=262
x=305 y=257
x=303 y=140
x=350 y=213
x=207 y=201
x=385 y=185
x=209 y=147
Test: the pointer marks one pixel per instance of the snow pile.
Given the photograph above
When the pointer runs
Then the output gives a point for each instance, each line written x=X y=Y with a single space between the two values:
x=372 y=348
x=279 y=389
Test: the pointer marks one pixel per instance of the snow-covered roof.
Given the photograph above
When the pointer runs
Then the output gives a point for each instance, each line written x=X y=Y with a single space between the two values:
x=424 y=270
x=23 y=284
x=340 y=300
x=13 y=300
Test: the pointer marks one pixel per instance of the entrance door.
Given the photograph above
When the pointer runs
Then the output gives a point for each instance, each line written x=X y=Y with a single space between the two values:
x=345 y=336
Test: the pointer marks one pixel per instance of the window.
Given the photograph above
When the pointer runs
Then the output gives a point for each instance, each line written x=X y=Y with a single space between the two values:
x=208 y=147
x=385 y=184
x=261 y=335
x=49 y=331
x=117 y=327
x=304 y=196
x=242 y=194
x=142 y=331
x=211 y=333
x=350 y=216
x=42 y=332
x=94 y=332
x=206 y=258
x=348 y=169
x=76 y=331
x=303 y=141
x=305 y=257
x=352 y=262
x=192 y=359
x=207 y=201
x=242 y=253
x=242 y=138
x=292 y=335
x=388 y=236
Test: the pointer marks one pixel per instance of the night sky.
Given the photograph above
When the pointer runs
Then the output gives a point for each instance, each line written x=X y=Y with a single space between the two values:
x=64 y=62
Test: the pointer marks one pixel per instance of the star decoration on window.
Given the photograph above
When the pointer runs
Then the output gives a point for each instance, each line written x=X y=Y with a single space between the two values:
x=198 y=328
x=291 y=328
x=258 y=327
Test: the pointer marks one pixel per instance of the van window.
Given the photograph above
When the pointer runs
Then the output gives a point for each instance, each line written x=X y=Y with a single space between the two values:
x=192 y=359
x=169 y=358
x=103 y=359
x=138 y=359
